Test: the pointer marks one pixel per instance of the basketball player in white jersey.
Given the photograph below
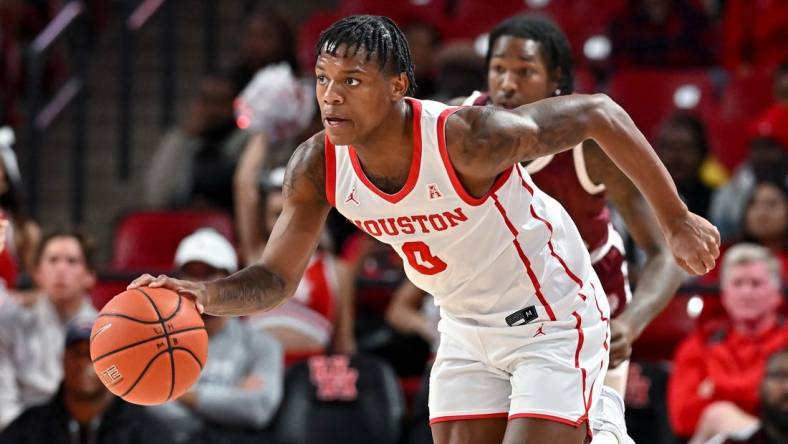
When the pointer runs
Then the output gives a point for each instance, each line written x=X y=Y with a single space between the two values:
x=524 y=328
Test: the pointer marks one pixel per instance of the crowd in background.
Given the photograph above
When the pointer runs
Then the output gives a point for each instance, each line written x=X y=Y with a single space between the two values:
x=731 y=167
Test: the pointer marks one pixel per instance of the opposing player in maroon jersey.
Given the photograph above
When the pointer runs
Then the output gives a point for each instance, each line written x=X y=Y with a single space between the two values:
x=364 y=73
x=529 y=59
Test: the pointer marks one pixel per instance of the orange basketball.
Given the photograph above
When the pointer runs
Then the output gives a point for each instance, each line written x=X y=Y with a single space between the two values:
x=149 y=345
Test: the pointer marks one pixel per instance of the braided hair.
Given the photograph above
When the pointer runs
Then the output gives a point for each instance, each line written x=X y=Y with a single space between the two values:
x=379 y=36
x=555 y=47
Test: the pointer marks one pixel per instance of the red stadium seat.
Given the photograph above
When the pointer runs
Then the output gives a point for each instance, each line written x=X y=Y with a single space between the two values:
x=308 y=34
x=650 y=95
x=662 y=336
x=401 y=11
x=729 y=140
x=147 y=240
x=746 y=95
x=106 y=289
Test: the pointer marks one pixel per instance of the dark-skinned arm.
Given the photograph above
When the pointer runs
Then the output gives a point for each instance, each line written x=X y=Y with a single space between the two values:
x=268 y=283
x=483 y=142
x=660 y=277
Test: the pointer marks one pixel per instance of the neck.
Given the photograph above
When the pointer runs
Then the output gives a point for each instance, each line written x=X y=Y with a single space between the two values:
x=85 y=409
x=775 y=433
x=756 y=327
x=383 y=148
x=66 y=309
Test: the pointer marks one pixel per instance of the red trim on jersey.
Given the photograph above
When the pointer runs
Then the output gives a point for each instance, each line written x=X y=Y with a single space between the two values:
x=331 y=172
x=455 y=180
x=568 y=422
x=524 y=259
x=415 y=163
x=466 y=417
x=550 y=229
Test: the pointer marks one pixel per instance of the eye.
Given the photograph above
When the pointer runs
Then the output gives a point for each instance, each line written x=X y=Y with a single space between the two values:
x=526 y=72
x=321 y=79
x=499 y=69
x=351 y=81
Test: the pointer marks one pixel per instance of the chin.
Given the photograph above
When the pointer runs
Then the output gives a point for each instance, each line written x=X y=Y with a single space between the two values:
x=340 y=138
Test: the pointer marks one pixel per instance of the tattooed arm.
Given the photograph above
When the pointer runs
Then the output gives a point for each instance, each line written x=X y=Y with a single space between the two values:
x=483 y=142
x=275 y=277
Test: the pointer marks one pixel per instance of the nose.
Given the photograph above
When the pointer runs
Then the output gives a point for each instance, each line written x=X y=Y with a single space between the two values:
x=508 y=83
x=331 y=95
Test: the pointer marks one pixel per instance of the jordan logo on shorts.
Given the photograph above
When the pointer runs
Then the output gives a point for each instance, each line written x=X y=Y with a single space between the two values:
x=352 y=197
x=539 y=331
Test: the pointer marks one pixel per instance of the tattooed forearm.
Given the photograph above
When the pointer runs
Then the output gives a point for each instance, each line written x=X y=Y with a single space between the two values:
x=561 y=124
x=252 y=289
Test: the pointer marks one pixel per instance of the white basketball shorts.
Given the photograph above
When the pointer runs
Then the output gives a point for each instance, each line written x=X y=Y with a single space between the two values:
x=544 y=369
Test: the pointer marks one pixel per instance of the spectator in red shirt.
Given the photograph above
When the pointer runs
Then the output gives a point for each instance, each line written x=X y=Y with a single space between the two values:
x=773 y=428
x=754 y=33
x=714 y=385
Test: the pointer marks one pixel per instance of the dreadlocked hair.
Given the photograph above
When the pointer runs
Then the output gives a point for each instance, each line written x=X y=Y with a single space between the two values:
x=555 y=46
x=378 y=36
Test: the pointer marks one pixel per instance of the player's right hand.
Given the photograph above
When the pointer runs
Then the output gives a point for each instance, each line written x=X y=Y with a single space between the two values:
x=194 y=290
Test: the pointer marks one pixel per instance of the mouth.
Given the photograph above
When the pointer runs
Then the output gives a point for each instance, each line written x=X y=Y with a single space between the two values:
x=335 y=122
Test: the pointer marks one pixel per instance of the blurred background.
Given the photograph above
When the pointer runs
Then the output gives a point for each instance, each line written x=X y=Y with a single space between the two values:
x=133 y=130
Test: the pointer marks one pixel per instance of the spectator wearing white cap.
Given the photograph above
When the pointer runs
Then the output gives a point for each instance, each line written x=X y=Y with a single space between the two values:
x=241 y=385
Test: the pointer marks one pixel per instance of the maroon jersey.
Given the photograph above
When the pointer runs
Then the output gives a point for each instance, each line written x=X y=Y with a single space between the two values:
x=564 y=177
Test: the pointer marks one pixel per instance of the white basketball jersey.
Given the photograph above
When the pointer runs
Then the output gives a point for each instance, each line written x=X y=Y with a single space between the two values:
x=481 y=258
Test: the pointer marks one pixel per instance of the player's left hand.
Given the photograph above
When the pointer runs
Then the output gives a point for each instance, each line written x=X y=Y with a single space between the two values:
x=695 y=243
x=622 y=335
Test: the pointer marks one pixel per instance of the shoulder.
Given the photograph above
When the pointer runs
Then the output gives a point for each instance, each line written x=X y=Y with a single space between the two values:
x=306 y=170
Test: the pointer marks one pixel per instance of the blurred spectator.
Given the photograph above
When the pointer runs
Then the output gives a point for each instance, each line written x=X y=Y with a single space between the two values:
x=319 y=315
x=241 y=385
x=83 y=411
x=412 y=311
x=773 y=428
x=460 y=69
x=754 y=33
x=682 y=146
x=423 y=41
x=663 y=33
x=780 y=84
x=194 y=162
x=767 y=158
x=31 y=331
x=766 y=219
x=714 y=385
x=24 y=234
x=268 y=37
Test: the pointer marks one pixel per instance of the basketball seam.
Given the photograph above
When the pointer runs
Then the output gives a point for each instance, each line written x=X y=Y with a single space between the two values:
x=166 y=335
x=142 y=373
x=126 y=347
x=141 y=321
x=191 y=353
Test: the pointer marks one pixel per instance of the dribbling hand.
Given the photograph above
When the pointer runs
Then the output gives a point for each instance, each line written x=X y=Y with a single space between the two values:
x=194 y=290
x=695 y=243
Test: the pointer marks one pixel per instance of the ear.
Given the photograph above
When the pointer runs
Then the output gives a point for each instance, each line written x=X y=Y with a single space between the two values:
x=399 y=86
x=555 y=78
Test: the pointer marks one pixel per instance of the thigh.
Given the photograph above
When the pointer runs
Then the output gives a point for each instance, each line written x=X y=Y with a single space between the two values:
x=469 y=431
x=538 y=431
x=462 y=387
